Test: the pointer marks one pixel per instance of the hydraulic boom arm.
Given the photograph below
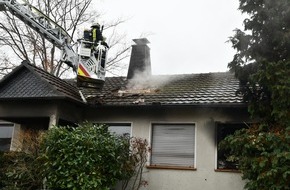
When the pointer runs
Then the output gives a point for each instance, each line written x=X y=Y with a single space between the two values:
x=43 y=25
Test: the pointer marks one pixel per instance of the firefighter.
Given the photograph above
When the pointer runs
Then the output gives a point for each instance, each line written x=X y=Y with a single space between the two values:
x=87 y=35
x=98 y=39
x=96 y=33
x=104 y=43
x=103 y=58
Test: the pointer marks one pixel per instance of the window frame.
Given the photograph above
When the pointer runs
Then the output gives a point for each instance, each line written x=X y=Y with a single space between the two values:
x=150 y=165
x=217 y=124
x=8 y=124
x=116 y=124
x=120 y=124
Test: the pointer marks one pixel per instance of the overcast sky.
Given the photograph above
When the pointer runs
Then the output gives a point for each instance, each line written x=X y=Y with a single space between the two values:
x=186 y=36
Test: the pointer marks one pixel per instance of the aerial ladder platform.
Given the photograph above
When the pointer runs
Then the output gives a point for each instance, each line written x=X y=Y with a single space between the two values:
x=89 y=63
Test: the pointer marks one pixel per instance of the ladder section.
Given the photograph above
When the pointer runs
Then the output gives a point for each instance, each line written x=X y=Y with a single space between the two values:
x=33 y=17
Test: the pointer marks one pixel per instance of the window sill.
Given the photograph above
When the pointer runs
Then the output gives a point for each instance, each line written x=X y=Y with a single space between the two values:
x=228 y=170
x=171 y=167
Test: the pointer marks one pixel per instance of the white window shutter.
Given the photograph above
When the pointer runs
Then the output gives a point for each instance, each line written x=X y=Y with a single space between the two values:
x=173 y=145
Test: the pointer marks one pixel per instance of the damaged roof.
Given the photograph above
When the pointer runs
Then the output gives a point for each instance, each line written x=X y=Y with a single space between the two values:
x=185 y=89
x=30 y=82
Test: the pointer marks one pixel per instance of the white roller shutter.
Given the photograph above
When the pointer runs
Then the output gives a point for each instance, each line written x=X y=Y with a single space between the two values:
x=173 y=145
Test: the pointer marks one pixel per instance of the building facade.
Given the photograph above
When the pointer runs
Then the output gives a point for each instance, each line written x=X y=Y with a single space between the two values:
x=183 y=117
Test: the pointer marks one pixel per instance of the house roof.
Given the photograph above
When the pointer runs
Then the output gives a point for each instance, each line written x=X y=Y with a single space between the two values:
x=184 y=89
x=29 y=82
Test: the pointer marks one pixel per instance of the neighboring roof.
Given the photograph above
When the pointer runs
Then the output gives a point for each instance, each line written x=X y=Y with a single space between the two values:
x=29 y=82
x=185 y=89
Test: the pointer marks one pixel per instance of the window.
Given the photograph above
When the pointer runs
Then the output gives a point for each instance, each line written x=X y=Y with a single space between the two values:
x=6 y=132
x=222 y=131
x=120 y=128
x=173 y=145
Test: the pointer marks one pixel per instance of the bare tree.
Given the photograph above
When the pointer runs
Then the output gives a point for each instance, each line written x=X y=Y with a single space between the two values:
x=27 y=44
x=6 y=65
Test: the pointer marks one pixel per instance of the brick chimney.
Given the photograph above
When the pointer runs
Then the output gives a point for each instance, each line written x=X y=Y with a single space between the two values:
x=140 y=58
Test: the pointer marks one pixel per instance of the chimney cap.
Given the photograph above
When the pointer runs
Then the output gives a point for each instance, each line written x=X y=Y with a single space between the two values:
x=141 y=41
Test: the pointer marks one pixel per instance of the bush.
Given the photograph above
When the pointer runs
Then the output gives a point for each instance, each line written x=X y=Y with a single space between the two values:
x=2 y=172
x=85 y=157
x=263 y=156
x=133 y=178
x=20 y=169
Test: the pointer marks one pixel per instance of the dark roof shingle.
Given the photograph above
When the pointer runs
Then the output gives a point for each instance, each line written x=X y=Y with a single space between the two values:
x=186 y=89
x=30 y=82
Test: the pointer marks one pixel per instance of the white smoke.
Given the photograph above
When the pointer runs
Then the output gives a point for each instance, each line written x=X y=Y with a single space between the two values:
x=144 y=80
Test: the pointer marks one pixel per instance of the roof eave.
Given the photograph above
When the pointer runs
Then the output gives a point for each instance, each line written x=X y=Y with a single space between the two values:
x=209 y=105
x=40 y=98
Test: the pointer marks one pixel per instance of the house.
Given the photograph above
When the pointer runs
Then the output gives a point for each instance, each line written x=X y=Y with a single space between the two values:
x=182 y=116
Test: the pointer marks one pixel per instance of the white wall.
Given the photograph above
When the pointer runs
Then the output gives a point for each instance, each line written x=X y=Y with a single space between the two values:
x=204 y=177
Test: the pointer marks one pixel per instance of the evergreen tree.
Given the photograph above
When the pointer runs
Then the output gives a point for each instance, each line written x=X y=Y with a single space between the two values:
x=262 y=64
x=263 y=55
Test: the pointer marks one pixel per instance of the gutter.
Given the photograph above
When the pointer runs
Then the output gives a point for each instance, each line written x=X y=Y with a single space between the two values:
x=156 y=105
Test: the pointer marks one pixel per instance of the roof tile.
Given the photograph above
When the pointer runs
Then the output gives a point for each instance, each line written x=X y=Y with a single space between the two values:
x=28 y=81
x=188 y=89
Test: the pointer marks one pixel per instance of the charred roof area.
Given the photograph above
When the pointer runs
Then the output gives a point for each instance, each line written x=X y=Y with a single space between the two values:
x=186 y=89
